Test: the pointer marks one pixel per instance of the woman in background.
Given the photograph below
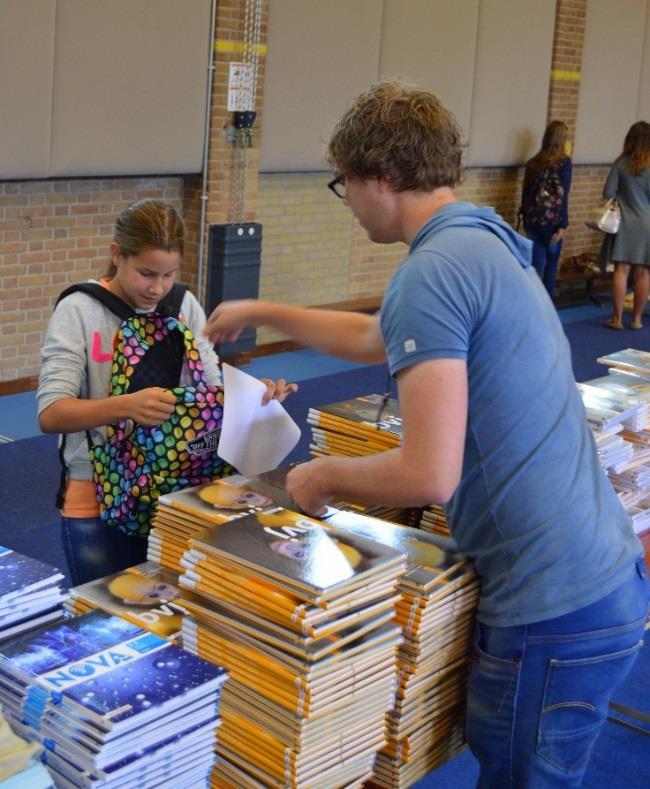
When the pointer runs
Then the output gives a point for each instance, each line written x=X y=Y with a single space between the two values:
x=545 y=201
x=628 y=183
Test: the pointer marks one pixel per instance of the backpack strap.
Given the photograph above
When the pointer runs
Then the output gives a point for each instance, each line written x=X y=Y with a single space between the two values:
x=114 y=303
x=170 y=306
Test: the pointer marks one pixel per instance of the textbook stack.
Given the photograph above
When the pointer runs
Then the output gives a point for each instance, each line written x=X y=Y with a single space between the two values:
x=300 y=614
x=114 y=705
x=360 y=426
x=30 y=593
x=625 y=451
x=364 y=426
x=434 y=520
x=147 y=595
x=438 y=598
x=183 y=514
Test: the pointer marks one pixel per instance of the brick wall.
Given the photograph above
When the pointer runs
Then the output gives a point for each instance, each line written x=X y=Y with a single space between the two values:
x=52 y=234
x=568 y=39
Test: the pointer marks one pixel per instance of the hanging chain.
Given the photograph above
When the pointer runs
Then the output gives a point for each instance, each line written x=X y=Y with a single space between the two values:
x=250 y=54
x=255 y=54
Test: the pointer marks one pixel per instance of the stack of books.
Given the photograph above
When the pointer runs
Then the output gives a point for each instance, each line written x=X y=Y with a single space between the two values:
x=31 y=593
x=627 y=385
x=606 y=409
x=438 y=598
x=624 y=448
x=364 y=426
x=183 y=514
x=113 y=704
x=300 y=614
x=360 y=426
x=629 y=360
x=614 y=452
x=148 y=595
x=434 y=520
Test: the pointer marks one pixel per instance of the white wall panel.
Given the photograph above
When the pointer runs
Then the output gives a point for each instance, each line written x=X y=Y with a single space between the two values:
x=26 y=53
x=129 y=86
x=611 y=73
x=432 y=43
x=511 y=79
x=643 y=104
x=320 y=56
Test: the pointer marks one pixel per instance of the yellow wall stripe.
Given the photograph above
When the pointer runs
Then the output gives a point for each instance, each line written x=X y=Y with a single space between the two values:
x=570 y=76
x=236 y=46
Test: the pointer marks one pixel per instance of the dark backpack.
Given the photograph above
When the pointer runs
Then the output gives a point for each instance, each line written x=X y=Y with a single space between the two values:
x=543 y=200
x=137 y=464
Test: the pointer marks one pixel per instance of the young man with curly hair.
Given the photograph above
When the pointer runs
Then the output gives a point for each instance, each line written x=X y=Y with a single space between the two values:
x=493 y=427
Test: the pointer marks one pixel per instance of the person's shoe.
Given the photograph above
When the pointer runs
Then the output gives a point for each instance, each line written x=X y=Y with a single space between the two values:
x=636 y=326
x=612 y=323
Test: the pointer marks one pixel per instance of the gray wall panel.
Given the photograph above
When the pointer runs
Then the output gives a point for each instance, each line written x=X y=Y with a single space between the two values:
x=511 y=79
x=320 y=55
x=611 y=73
x=129 y=86
x=26 y=56
x=432 y=43
x=643 y=103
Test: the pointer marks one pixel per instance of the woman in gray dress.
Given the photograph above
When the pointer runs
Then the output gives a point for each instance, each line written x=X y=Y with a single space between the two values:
x=629 y=183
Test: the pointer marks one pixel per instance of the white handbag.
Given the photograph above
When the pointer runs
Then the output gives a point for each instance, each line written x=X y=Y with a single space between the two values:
x=607 y=219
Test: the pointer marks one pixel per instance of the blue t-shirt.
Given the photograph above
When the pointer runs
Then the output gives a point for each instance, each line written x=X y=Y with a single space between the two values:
x=533 y=509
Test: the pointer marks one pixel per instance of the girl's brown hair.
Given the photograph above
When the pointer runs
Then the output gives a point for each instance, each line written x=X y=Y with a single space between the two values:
x=148 y=224
x=551 y=152
x=636 y=148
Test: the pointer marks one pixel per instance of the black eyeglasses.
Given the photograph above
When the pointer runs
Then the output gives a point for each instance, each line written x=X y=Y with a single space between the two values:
x=337 y=185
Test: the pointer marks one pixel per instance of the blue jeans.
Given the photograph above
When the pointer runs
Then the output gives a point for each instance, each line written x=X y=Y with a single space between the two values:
x=545 y=256
x=538 y=695
x=93 y=549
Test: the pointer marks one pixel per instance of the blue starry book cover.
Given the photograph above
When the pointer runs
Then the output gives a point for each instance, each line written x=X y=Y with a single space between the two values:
x=20 y=574
x=140 y=686
x=65 y=646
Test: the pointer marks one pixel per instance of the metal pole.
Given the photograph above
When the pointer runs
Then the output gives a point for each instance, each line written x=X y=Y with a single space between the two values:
x=206 y=150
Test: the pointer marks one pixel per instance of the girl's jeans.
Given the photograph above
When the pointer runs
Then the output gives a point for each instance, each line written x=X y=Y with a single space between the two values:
x=93 y=549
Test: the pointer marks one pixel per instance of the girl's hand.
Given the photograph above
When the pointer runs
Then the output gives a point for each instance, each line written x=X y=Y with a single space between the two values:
x=277 y=390
x=558 y=235
x=150 y=406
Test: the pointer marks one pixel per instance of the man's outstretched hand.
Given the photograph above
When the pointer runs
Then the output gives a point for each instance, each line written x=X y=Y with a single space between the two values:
x=228 y=320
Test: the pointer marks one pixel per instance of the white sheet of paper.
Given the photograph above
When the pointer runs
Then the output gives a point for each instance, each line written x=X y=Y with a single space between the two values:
x=254 y=437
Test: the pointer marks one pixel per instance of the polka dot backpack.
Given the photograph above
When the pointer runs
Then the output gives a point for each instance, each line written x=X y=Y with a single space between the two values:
x=137 y=464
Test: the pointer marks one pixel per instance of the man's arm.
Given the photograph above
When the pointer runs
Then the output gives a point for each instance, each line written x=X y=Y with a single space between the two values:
x=348 y=335
x=427 y=466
